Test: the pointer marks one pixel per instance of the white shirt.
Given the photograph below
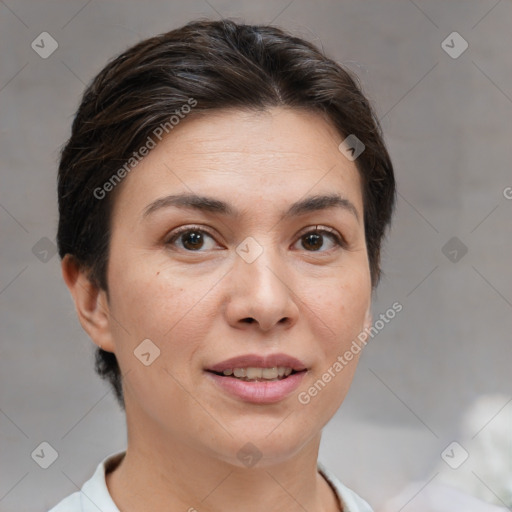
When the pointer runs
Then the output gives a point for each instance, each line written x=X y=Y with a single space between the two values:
x=94 y=495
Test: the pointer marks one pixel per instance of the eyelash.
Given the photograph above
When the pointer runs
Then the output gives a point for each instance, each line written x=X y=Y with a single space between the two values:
x=338 y=240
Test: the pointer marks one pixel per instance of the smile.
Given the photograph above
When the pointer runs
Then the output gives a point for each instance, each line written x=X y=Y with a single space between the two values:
x=252 y=373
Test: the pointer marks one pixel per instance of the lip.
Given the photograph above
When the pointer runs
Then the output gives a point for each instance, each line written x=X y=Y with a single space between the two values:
x=257 y=361
x=258 y=392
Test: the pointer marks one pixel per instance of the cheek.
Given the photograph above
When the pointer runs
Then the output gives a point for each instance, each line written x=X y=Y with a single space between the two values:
x=154 y=305
x=340 y=308
x=339 y=314
x=151 y=299
x=152 y=302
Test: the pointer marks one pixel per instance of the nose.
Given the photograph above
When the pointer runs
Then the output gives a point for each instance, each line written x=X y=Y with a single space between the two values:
x=261 y=293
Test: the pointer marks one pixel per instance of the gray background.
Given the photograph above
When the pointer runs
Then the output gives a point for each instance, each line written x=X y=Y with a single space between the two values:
x=447 y=123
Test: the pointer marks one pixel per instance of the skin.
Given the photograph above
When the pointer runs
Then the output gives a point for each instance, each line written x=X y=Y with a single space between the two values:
x=183 y=432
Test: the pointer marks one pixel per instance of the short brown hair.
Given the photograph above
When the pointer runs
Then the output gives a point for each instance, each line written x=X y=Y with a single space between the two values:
x=220 y=64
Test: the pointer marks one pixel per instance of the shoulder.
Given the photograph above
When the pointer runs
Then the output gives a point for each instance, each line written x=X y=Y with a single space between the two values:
x=350 y=500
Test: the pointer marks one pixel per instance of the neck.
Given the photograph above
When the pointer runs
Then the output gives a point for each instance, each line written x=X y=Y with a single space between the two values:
x=161 y=474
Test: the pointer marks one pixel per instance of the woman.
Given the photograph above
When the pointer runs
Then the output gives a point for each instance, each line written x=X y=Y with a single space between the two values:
x=223 y=199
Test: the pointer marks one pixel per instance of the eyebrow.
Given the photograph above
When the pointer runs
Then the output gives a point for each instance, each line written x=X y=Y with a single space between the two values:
x=211 y=205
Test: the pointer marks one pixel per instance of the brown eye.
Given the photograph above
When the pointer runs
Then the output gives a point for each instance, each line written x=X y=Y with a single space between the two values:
x=191 y=239
x=314 y=240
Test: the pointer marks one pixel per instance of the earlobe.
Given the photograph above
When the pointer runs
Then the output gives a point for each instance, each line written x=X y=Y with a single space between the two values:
x=90 y=303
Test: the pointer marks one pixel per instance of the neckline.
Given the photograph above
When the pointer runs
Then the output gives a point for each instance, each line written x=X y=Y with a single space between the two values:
x=326 y=477
x=112 y=462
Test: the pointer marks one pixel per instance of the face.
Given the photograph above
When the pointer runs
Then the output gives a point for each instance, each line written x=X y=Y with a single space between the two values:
x=246 y=274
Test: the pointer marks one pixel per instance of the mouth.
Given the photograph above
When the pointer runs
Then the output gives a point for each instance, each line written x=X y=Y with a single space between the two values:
x=253 y=367
x=255 y=374
x=258 y=379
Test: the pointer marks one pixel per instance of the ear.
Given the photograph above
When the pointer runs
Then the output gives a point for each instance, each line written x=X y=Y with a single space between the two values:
x=368 y=319
x=90 y=302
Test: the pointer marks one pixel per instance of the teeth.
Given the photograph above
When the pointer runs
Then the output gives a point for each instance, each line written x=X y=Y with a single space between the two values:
x=269 y=373
x=253 y=373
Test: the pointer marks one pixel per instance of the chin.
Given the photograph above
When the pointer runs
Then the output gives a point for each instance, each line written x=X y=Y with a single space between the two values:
x=261 y=444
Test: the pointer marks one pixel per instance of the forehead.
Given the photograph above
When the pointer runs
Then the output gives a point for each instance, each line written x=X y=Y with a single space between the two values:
x=274 y=135
x=276 y=155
